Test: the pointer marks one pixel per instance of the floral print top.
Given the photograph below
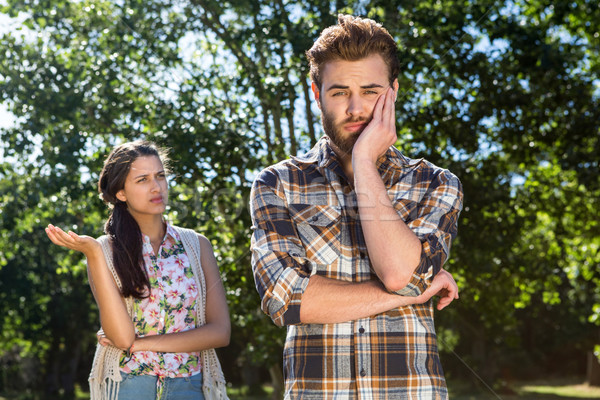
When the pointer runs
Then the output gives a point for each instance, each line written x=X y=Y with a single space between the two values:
x=170 y=308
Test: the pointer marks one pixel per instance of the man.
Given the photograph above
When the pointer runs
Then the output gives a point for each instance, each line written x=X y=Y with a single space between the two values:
x=349 y=240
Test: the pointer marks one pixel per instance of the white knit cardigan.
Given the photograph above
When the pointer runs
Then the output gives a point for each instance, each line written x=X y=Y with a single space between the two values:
x=105 y=376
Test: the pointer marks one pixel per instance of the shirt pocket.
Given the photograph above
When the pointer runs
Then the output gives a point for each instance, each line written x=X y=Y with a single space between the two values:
x=319 y=229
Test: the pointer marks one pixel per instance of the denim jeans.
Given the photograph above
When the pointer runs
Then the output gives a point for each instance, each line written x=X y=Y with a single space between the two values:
x=143 y=387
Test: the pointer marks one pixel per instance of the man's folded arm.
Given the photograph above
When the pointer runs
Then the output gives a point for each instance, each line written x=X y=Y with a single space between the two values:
x=436 y=225
x=290 y=291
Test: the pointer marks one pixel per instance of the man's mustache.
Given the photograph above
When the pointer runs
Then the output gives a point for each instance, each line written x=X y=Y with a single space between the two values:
x=352 y=120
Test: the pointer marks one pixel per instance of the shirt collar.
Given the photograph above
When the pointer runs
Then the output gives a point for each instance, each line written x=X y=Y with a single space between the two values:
x=323 y=155
x=390 y=159
x=169 y=232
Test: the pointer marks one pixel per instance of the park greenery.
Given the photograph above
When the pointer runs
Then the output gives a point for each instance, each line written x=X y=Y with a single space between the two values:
x=504 y=94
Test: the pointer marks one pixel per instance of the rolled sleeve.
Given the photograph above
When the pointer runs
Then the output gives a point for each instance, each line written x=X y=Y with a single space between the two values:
x=281 y=272
x=436 y=225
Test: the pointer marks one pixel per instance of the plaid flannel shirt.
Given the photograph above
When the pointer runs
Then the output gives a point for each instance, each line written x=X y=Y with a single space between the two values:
x=305 y=222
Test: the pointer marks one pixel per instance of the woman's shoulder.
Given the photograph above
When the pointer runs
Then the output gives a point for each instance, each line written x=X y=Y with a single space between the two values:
x=203 y=240
x=186 y=231
x=103 y=239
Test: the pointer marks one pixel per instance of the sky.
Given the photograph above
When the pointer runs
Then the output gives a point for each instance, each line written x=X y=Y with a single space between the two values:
x=7 y=119
x=6 y=24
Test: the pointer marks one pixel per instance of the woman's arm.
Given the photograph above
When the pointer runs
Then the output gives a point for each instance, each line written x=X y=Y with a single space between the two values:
x=217 y=330
x=115 y=321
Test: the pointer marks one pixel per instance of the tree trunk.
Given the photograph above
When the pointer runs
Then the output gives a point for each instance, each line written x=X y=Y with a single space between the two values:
x=277 y=381
x=280 y=145
x=309 y=116
x=292 y=130
x=593 y=370
x=61 y=374
x=269 y=142
x=251 y=378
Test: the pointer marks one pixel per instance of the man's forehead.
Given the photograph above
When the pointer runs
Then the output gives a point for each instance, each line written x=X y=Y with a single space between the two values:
x=368 y=71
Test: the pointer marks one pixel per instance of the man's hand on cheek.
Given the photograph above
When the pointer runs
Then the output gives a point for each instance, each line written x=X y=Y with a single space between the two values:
x=380 y=133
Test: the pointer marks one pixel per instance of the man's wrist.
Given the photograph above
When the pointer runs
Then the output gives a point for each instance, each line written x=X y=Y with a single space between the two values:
x=359 y=162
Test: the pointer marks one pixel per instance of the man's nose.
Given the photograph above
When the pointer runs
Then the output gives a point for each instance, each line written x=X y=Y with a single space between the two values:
x=356 y=106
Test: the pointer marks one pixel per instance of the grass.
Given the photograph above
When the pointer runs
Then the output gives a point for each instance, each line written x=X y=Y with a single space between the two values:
x=567 y=389
x=554 y=389
x=551 y=389
x=241 y=393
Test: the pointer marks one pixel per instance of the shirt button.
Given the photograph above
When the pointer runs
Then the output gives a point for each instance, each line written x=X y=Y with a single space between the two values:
x=361 y=330
x=314 y=218
x=363 y=372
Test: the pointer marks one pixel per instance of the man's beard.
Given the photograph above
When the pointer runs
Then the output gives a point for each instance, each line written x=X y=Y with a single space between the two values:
x=343 y=144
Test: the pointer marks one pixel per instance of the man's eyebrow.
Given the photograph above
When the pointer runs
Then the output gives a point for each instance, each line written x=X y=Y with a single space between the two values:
x=372 y=86
x=369 y=86
x=332 y=87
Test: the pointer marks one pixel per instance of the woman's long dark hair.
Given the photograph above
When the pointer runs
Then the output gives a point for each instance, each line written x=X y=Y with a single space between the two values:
x=122 y=229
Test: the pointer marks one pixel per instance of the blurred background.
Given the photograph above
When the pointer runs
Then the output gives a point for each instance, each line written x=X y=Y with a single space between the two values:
x=504 y=94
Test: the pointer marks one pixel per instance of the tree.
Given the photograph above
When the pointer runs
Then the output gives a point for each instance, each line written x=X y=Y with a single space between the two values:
x=505 y=95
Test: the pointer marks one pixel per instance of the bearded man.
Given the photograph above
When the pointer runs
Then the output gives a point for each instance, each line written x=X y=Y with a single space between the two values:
x=349 y=239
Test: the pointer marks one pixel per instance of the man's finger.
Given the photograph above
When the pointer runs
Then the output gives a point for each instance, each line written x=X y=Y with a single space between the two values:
x=451 y=291
x=378 y=110
x=389 y=105
x=444 y=302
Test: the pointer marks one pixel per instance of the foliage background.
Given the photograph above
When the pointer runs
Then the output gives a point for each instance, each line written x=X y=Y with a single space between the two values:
x=504 y=94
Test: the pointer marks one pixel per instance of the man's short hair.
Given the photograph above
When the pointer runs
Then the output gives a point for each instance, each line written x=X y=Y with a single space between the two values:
x=352 y=39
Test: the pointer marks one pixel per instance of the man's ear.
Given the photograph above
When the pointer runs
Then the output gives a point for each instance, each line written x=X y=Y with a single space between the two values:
x=121 y=195
x=316 y=93
x=395 y=86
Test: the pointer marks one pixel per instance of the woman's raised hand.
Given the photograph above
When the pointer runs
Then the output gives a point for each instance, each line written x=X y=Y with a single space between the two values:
x=85 y=244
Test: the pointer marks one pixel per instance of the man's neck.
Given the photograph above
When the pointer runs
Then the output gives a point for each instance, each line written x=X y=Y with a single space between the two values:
x=345 y=160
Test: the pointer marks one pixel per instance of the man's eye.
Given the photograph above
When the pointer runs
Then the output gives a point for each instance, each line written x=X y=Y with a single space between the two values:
x=141 y=179
x=370 y=92
x=339 y=94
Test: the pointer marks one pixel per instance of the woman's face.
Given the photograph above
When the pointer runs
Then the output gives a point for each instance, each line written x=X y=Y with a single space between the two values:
x=146 y=190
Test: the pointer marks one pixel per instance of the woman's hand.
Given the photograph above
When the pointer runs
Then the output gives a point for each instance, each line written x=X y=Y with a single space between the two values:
x=85 y=244
x=113 y=310
x=102 y=339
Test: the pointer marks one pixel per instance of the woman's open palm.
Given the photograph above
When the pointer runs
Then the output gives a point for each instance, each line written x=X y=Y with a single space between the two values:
x=71 y=240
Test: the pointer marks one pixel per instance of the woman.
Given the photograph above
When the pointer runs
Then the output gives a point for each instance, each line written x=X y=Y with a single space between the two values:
x=162 y=304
